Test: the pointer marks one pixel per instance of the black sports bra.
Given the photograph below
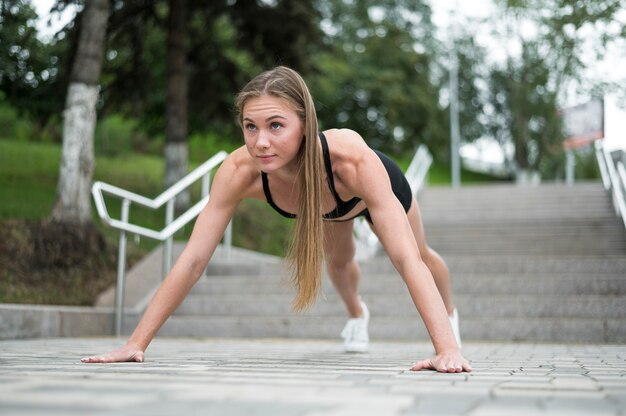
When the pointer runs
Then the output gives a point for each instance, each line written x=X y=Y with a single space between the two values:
x=342 y=208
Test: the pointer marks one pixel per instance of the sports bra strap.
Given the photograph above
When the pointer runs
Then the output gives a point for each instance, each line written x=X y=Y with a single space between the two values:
x=329 y=169
x=268 y=197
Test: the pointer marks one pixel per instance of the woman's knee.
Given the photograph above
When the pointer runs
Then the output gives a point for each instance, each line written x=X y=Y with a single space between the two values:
x=433 y=260
x=340 y=267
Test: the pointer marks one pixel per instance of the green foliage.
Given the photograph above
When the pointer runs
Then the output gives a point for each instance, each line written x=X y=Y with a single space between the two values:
x=373 y=66
x=525 y=110
x=228 y=43
x=31 y=74
x=374 y=75
x=133 y=75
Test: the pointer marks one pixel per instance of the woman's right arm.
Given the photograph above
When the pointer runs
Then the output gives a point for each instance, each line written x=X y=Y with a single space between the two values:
x=229 y=187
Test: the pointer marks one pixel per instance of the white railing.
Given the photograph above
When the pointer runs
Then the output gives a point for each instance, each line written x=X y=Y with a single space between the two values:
x=167 y=198
x=367 y=242
x=613 y=178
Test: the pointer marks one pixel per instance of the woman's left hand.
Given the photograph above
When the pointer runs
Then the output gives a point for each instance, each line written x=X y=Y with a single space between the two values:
x=444 y=362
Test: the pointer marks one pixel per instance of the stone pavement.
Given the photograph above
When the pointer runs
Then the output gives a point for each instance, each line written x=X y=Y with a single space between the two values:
x=280 y=377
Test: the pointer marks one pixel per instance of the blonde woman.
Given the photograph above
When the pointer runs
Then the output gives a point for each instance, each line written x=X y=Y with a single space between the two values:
x=323 y=180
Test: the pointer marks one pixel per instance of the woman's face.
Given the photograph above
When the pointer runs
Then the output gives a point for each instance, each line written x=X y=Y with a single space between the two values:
x=273 y=132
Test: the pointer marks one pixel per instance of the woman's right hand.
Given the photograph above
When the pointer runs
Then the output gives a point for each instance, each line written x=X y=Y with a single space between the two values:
x=127 y=353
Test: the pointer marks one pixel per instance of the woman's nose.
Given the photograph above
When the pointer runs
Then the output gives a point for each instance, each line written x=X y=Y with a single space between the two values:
x=263 y=141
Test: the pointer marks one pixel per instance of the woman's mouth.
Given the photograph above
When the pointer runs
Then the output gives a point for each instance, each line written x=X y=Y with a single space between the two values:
x=265 y=158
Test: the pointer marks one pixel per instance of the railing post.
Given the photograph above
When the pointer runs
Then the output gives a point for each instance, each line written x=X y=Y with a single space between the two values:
x=168 y=246
x=205 y=184
x=121 y=271
x=570 y=165
x=228 y=240
x=228 y=233
x=602 y=164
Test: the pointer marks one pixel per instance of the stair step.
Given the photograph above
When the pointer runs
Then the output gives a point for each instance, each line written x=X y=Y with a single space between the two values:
x=381 y=328
x=522 y=284
x=400 y=304
x=539 y=264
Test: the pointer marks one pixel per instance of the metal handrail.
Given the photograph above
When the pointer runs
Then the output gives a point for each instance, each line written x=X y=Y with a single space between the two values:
x=415 y=175
x=172 y=225
x=613 y=178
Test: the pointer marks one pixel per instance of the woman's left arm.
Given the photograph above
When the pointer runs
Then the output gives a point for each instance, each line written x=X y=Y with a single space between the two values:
x=372 y=184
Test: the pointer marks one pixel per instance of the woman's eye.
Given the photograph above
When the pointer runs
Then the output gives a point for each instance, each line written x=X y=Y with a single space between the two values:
x=250 y=127
x=275 y=125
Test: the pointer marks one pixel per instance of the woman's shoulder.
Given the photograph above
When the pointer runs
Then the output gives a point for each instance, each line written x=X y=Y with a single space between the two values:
x=345 y=137
x=240 y=159
x=346 y=146
x=239 y=170
x=349 y=153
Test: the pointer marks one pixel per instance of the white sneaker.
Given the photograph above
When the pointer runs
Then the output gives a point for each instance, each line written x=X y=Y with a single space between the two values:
x=356 y=338
x=454 y=321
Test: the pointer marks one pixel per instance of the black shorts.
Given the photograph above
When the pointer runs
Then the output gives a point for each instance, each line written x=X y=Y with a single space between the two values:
x=399 y=185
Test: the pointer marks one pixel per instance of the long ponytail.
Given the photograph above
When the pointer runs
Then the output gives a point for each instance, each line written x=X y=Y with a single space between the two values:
x=305 y=254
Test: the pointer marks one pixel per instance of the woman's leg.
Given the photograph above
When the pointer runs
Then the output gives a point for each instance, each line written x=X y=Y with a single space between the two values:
x=433 y=260
x=341 y=265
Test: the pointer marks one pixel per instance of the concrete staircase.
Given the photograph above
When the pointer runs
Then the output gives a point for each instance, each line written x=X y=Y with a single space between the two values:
x=544 y=264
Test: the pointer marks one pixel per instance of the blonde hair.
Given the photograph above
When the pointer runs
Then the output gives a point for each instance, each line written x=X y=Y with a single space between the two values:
x=306 y=252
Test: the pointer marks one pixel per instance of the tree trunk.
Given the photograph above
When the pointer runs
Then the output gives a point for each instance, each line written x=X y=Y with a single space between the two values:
x=176 y=150
x=72 y=203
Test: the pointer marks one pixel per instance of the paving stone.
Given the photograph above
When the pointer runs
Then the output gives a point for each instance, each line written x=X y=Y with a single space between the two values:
x=580 y=406
x=440 y=404
x=513 y=406
x=287 y=377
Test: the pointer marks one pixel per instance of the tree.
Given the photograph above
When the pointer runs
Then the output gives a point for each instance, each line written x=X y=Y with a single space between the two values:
x=525 y=110
x=549 y=69
x=30 y=70
x=375 y=74
x=176 y=150
x=214 y=46
x=72 y=205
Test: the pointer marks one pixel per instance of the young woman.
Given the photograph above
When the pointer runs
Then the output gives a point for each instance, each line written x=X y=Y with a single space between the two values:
x=323 y=180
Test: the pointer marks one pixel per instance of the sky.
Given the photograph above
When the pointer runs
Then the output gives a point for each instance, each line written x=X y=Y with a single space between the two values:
x=42 y=7
x=445 y=11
